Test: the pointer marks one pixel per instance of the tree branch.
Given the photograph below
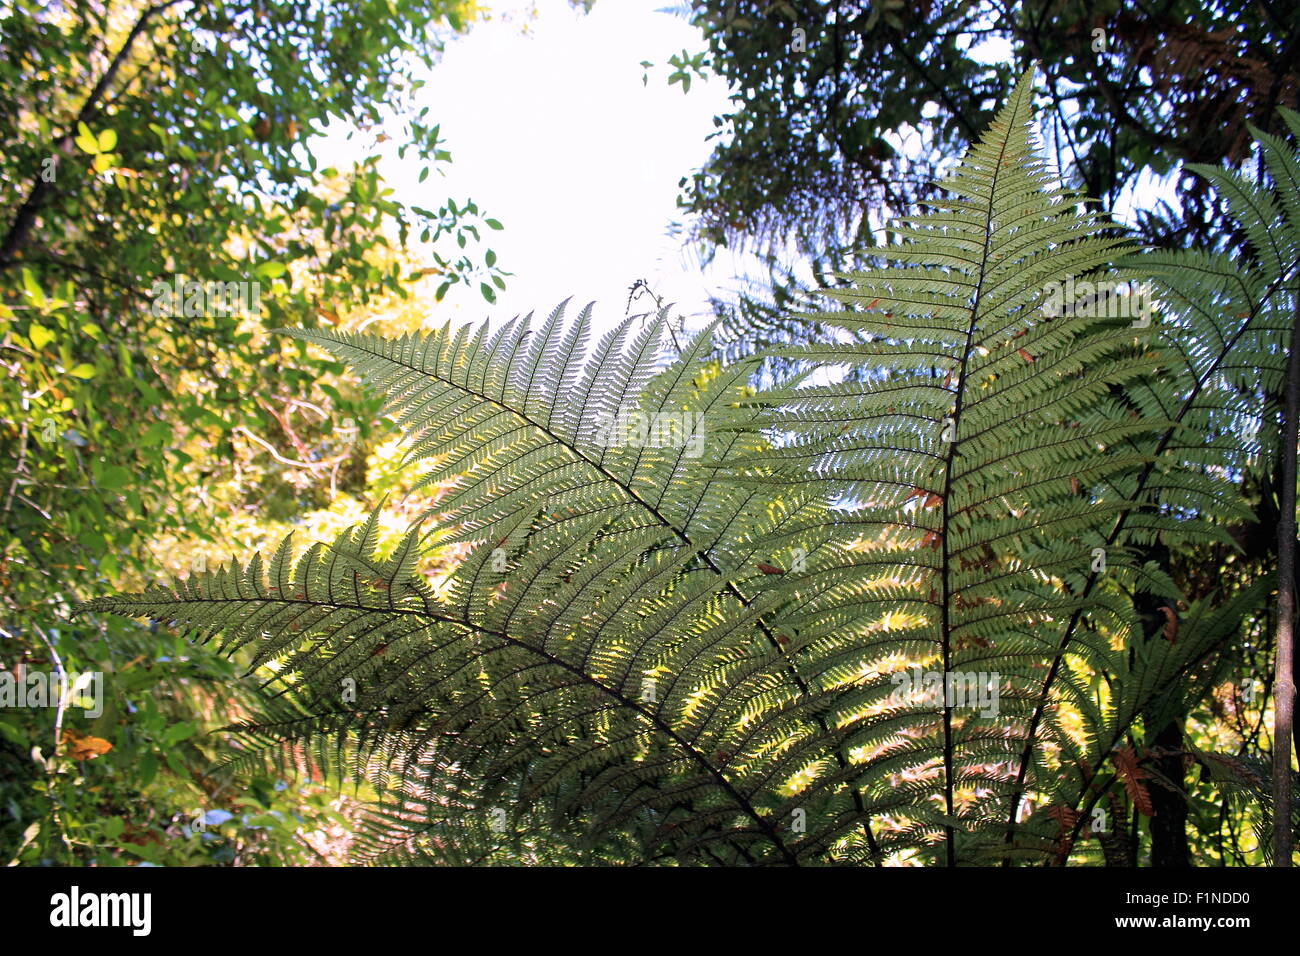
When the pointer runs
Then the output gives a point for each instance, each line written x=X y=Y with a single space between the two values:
x=41 y=190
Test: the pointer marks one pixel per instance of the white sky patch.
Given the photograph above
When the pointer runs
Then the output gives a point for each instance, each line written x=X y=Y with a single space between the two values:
x=552 y=132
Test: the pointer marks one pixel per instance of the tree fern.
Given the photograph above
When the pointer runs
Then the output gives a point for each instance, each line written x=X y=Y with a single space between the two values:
x=989 y=446
x=697 y=649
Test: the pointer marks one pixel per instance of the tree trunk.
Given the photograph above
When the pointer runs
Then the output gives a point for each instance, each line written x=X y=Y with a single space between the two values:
x=1284 y=686
x=1169 y=847
x=1168 y=827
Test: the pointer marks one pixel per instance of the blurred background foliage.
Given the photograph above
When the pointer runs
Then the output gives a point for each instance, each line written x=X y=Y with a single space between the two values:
x=164 y=142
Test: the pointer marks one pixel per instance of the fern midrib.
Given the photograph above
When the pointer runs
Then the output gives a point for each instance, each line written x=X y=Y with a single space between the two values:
x=945 y=622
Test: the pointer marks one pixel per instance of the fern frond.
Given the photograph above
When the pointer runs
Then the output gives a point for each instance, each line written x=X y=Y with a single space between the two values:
x=983 y=442
x=530 y=690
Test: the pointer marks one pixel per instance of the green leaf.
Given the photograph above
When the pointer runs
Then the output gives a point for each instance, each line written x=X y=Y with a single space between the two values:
x=84 y=371
x=156 y=434
x=174 y=761
x=148 y=769
x=178 y=732
x=114 y=477
x=14 y=735
x=86 y=139
x=40 y=336
x=107 y=140
x=33 y=288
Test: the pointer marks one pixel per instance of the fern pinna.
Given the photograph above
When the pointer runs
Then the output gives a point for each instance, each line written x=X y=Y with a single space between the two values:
x=818 y=624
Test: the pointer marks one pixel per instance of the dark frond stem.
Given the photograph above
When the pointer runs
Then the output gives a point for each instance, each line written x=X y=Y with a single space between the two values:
x=945 y=554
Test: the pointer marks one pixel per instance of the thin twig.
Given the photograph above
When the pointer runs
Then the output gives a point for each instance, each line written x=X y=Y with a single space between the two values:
x=51 y=763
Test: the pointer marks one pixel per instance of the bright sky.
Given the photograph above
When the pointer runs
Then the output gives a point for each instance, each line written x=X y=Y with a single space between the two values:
x=552 y=132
